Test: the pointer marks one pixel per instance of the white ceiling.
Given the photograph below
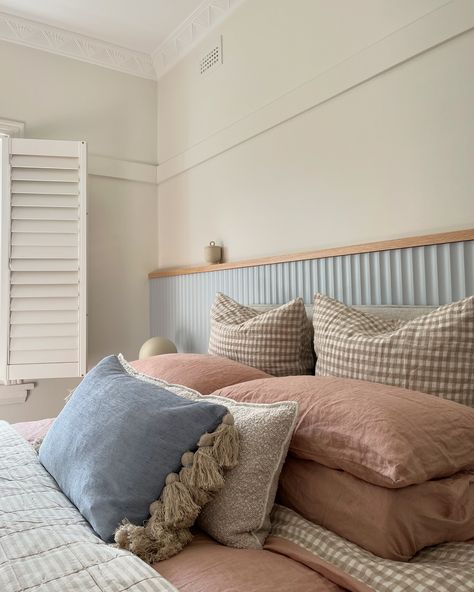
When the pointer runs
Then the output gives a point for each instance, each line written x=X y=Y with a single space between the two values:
x=140 y=25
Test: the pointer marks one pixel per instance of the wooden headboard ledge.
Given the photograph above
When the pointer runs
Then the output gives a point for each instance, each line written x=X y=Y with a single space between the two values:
x=399 y=243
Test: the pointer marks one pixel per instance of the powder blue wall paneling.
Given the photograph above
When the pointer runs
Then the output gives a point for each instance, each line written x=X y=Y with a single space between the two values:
x=430 y=275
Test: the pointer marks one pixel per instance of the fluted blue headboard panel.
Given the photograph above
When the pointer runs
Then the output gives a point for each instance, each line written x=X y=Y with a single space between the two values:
x=426 y=275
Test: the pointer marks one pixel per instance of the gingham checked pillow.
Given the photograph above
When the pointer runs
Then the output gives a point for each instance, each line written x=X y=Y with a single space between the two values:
x=433 y=353
x=277 y=341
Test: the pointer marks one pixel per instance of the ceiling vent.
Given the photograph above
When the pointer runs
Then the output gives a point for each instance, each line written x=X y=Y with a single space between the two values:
x=212 y=58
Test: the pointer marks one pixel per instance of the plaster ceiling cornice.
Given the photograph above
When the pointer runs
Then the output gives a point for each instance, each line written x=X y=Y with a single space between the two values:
x=210 y=13
x=72 y=45
x=207 y=16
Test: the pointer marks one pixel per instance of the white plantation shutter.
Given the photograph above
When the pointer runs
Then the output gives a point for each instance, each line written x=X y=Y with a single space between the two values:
x=42 y=259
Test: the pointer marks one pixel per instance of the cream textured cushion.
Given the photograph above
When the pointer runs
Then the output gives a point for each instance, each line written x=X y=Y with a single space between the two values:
x=433 y=353
x=239 y=514
x=277 y=341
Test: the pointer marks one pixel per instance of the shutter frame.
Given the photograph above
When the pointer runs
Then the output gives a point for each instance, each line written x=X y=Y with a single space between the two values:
x=42 y=271
x=4 y=256
x=83 y=259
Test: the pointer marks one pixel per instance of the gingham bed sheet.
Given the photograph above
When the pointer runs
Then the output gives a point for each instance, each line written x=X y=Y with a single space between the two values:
x=444 y=568
x=45 y=543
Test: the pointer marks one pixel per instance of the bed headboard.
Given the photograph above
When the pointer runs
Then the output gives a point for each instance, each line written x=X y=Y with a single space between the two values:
x=394 y=275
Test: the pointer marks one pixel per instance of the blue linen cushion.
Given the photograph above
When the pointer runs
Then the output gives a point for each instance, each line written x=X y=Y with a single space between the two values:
x=118 y=437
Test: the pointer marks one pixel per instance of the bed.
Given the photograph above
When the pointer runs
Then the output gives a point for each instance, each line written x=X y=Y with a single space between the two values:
x=299 y=554
x=296 y=556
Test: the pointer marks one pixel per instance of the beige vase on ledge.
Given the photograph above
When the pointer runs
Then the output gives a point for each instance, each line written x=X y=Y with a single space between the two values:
x=213 y=253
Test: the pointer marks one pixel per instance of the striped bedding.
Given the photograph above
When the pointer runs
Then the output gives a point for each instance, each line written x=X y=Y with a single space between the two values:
x=46 y=545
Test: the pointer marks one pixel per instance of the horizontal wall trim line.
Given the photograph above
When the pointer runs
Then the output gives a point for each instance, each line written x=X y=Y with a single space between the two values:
x=104 y=166
x=435 y=28
x=387 y=245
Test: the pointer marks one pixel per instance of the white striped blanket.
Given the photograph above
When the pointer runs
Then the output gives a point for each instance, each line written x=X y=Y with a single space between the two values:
x=45 y=543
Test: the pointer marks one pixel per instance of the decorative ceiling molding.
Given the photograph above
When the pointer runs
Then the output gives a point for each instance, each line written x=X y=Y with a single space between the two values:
x=209 y=14
x=37 y=35
x=72 y=45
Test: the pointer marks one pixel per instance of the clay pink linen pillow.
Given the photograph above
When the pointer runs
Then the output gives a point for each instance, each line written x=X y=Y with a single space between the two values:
x=201 y=372
x=385 y=435
x=391 y=523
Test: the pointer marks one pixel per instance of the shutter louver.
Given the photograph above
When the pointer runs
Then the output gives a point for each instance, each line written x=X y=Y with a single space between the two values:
x=43 y=242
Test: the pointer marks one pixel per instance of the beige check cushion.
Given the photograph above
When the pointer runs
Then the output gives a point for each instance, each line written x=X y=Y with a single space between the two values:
x=277 y=341
x=433 y=353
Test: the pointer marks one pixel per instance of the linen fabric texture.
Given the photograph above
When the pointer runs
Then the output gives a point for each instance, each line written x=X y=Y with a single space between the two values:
x=207 y=566
x=201 y=372
x=444 y=568
x=385 y=435
x=433 y=353
x=116 y=440
x=277 y=341
x=413 y=517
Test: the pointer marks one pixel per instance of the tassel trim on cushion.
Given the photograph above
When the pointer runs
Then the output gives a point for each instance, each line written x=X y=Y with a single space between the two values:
x=37 y=444
x=167 y=532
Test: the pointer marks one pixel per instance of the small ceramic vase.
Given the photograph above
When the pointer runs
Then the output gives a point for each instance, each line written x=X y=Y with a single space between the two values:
x=213 y=253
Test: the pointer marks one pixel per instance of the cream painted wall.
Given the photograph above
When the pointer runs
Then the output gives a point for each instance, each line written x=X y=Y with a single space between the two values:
x=60 y=98
x=392 y=157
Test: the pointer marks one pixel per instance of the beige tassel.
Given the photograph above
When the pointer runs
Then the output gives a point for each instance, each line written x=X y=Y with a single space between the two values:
x=207 y=439
x=136 y=540
x=37 y=444
x=143 y=546
x=226 y=443
x=157 y=511
x=171 y=541
x=166 y=532
x=179 y=506
x=154 y=542
x=187 y=459
x=123 y=533
x=206 y=473
x=200 y=497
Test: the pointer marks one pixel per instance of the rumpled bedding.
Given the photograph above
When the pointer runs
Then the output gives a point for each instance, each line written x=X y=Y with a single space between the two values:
x=302 y=557
x=206 y=566
x=391 y=523
x=444 y=568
